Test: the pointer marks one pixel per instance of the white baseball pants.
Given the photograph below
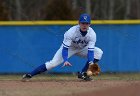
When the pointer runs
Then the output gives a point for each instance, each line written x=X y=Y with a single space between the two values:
x=58 y=59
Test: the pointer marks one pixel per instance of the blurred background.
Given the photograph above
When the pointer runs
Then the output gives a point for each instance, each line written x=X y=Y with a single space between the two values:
x=30 y=35
x=68 y=9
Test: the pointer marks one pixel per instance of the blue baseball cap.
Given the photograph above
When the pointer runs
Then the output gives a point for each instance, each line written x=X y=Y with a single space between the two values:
x=85 y=18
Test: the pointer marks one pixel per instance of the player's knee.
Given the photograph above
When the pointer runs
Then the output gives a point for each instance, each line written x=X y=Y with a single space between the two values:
x=100 y=52
x=51 y=64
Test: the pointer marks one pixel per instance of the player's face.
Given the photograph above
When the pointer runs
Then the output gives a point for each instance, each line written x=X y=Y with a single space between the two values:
x=84 y=26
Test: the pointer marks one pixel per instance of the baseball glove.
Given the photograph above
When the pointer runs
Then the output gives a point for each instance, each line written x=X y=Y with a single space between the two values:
x=93 y=69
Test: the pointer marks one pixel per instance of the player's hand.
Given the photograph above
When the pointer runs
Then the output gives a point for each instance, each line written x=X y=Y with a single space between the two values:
x=67 y=64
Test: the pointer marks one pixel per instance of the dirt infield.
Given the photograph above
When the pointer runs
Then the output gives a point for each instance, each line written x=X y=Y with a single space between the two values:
x=125 y=89
x=70 y=88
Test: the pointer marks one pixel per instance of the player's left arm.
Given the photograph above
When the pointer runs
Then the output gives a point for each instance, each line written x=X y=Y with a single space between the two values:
x=91 y=45
x=90 y=56
x=93 y=68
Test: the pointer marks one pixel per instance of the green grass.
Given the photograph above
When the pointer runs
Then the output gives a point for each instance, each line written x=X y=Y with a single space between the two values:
x=119 y=76
x=48 y=77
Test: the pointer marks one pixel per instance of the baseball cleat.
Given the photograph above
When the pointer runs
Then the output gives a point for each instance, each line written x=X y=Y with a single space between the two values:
x=26 y=77
x=84 y=76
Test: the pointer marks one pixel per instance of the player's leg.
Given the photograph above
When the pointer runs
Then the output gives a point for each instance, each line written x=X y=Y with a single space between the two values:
x=57 y=59
x=83 y=53
x=38 y=70
x=97 y=56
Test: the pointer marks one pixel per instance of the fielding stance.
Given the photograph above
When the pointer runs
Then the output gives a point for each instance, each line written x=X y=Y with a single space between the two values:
x=78 y=40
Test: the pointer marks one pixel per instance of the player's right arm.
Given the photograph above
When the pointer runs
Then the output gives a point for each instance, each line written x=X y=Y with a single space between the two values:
x=66 y=44
x=65 y=57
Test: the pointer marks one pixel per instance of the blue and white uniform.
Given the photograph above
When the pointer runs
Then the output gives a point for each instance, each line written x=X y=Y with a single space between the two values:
x=77 y=45
x=75 y=42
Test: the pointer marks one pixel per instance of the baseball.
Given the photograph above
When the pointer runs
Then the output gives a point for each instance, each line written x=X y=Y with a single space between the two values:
x=89 y=73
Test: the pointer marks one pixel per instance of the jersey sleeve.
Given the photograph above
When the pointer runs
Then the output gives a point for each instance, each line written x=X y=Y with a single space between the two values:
x=92 y=41
x=65 y=54
x=67 y=38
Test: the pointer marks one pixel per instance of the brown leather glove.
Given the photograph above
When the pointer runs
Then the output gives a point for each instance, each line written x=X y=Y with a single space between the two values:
x=93 y=69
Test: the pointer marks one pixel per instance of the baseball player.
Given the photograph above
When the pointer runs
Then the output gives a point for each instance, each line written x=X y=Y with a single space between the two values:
x=78 y=40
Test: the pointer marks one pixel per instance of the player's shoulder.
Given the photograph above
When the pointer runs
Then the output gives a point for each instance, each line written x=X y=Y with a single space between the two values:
x=73 y=29
x=91 y=31
x=91 y=34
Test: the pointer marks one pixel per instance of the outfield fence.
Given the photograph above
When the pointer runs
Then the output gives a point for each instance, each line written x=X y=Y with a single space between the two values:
x=26 y=44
